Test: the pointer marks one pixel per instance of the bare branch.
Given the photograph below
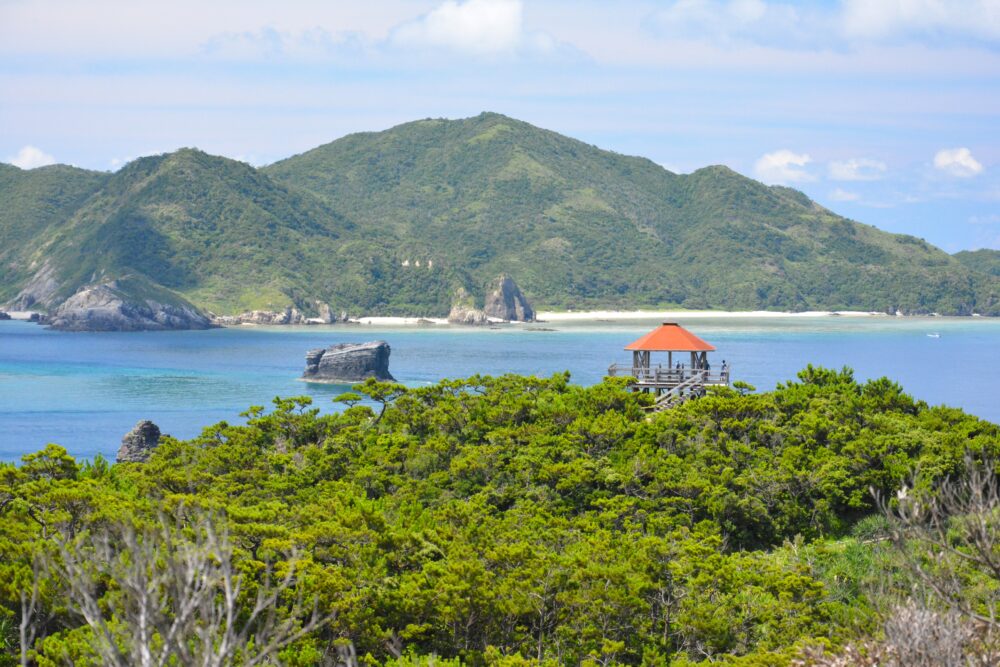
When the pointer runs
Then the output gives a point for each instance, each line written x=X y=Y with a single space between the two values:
x=172 y=596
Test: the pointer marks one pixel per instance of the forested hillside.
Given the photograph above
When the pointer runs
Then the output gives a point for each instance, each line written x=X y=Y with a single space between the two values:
x=34 y=205
x=582 y=227
x=395 y=222
x=504 y=521
x=982 y=261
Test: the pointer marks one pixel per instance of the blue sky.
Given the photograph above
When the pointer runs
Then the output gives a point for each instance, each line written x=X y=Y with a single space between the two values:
x=886 y=111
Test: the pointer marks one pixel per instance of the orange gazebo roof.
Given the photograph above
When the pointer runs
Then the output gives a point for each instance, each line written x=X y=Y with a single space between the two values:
x=670 y=337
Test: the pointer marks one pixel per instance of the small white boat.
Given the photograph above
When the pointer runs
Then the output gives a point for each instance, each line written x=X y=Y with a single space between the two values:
x=933 y=335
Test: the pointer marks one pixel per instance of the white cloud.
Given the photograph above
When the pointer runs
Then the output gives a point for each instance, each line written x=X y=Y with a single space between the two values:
x=733 y=21
x=475 y=26
x=783 y=166
x=856 y=169
x=957 y=162
x=30 y=157
x=934 y=20
x=315 y=44
x=992 y=219
x=814 y=26
x=844 y=195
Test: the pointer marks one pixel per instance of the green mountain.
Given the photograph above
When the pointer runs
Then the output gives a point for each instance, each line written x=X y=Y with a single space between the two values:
x=34 y=204
x=981 y=261
x=395 y=222
x=581 y=227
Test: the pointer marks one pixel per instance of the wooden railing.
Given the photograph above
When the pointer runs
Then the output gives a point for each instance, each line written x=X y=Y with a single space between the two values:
x=665 y=376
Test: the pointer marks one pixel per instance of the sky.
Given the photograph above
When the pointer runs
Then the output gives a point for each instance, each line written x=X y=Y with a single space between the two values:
x=885 y=111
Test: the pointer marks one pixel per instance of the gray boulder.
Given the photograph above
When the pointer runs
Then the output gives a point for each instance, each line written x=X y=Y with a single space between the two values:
x=505 y=301
x=139 y=443
x=348 y=362
x=105 y=307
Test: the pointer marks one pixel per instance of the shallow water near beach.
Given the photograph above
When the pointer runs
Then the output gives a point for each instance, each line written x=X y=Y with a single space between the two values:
x=85 y=390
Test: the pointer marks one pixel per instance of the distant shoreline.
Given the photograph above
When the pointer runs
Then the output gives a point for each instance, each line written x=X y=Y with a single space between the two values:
x=590 y=315
x=622 y=315
x=583 y=316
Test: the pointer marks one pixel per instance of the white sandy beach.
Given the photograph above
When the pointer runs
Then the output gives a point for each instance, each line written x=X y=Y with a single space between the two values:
x=400 y=321
x=617 y=315
x=20 y=314
x=591 y=315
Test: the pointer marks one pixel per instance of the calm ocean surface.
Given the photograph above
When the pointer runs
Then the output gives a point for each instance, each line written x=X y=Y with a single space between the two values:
x=84 y=391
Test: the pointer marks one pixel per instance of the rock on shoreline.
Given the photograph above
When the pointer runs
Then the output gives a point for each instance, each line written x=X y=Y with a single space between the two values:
x=290 y=315
x=106 y=307
x=464 y=311
x=504 y=302
x=349 y=362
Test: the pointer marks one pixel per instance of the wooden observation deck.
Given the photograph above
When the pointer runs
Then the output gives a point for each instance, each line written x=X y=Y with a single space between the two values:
x=674 y=383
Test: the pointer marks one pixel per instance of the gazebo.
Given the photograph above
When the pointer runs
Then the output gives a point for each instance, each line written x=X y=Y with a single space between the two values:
x=671 y=337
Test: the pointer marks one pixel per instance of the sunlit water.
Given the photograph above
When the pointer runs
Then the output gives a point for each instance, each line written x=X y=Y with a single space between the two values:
x=85 y=390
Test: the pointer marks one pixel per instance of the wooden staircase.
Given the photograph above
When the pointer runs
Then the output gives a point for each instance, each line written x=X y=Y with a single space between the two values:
x=690 y=388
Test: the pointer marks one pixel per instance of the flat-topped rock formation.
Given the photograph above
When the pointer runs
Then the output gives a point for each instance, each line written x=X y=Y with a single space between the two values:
x=139 y=443
x=348 y=362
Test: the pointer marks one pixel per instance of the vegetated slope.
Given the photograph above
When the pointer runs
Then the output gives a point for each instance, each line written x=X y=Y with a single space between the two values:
x=216 y=232
x=527 y=521
x=394 y=222
x=981 y=261
x=581 y=227
x=207 y=227
x=32 y=204
x=222 y=235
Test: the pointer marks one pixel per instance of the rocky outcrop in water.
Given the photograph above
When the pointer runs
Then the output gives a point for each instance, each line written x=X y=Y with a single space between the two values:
x=139 y=443
x=348 y=362
x=4 y=316
x=505 y=301
x=105 y=307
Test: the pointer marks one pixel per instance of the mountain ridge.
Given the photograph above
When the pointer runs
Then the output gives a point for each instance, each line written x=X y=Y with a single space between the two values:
x=395 y=222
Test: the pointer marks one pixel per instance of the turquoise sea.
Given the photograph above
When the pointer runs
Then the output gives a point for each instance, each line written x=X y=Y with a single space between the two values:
x=85 y=390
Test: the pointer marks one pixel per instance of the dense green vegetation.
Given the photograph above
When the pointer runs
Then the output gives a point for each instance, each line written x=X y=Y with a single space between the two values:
x=33 y=205
x=577 y=226
x=983 y=261
x=574 y=225
x=516 y=520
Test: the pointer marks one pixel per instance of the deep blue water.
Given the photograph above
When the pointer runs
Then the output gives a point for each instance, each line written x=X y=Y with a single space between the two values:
x=85 y=390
